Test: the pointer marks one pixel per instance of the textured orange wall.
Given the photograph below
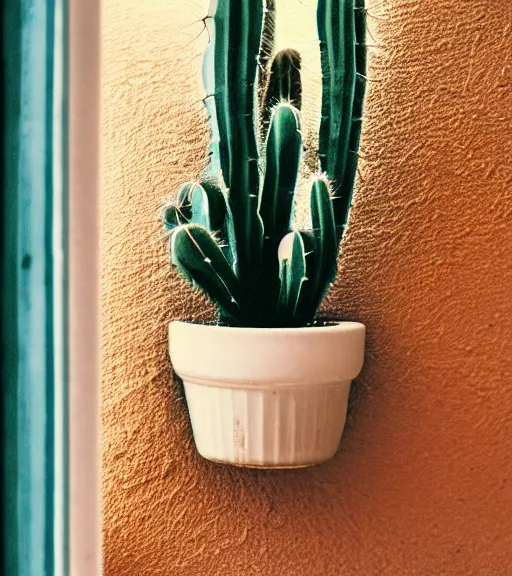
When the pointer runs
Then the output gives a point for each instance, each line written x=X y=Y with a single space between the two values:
x=423 y=482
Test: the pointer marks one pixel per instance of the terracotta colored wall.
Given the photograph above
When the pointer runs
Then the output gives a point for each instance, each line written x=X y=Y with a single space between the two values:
x=423 y=482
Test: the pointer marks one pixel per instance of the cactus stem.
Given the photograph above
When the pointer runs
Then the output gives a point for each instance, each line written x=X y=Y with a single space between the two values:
x=209 y=261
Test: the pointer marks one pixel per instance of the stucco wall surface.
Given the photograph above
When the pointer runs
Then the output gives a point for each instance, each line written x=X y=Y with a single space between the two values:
x=422 y=484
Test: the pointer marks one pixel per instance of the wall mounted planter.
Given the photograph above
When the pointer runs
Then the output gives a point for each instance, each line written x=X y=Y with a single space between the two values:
x=272 y=398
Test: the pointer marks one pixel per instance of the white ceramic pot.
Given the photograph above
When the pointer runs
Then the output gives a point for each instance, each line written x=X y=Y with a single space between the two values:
x=272 y=398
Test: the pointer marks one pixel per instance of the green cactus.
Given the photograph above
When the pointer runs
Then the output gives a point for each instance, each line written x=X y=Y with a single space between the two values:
x=292 y=276
x=284 y=83
x=197 y=255
x=341 y=29
x=326 y=246
x=282 y=154
x=232 y=234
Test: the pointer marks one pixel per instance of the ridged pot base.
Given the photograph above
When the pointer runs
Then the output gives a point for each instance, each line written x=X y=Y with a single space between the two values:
x=275 y=427
x=267 y=398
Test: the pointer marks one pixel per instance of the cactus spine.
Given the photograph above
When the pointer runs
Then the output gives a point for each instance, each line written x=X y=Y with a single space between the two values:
x=232 y=233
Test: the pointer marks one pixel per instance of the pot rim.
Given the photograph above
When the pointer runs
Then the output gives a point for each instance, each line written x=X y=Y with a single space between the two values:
x=334 y=326
x=223 y=355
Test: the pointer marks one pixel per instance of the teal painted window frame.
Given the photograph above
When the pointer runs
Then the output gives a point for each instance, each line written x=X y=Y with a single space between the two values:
x=34 y=292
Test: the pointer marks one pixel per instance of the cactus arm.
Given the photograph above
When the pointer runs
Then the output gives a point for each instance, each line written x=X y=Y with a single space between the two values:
x=308 y=303
x=283 y=151
x=292 y=275
x=359 y=93
x=326 y=246
x=204 y=204
x=197 y=203
x=220 y=219
x=200 y=260
x=238 y=27
x=321 y=249
x=200 y=207
x=337 y=33
x=208 y=206
x=284 y=84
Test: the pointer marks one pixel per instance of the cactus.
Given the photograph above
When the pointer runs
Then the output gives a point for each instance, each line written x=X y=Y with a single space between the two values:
x=342 y=30
x=284 y=83
x=200 y=259
x=232 y=233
